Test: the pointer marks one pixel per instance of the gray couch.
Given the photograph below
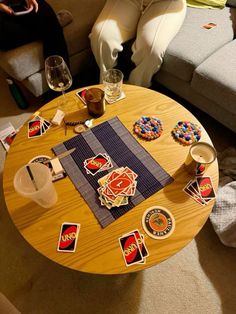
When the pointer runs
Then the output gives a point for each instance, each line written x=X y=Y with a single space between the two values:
x=199 y=65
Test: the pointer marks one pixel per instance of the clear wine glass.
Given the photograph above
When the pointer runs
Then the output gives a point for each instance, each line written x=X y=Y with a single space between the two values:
x=58 y=77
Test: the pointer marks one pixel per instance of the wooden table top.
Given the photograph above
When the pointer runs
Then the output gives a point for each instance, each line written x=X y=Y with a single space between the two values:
x=98 y=249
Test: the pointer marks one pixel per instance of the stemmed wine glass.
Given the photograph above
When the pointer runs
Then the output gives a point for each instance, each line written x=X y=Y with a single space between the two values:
x=58 y=77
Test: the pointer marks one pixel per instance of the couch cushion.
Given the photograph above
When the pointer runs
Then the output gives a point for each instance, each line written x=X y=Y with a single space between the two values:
x=21 y=62
x=28 y=59
x=193 y=43
x=215 y=78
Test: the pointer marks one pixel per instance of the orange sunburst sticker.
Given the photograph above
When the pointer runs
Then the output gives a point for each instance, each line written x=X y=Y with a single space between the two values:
x=158 y=222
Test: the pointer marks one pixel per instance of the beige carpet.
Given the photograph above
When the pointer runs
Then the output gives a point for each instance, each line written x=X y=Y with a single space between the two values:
x=199 y=279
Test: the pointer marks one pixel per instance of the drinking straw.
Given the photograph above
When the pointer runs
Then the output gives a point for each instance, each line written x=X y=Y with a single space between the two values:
x=32 y=177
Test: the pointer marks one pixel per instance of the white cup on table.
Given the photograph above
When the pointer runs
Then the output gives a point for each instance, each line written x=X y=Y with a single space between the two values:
x=201 y=155
x=34 y=181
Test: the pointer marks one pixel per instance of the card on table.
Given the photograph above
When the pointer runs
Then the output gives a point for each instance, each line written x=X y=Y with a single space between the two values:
x=116 y=187
x=201 y=190
x=205 y=187
x=68 y=237
x=100 y=162
x=37 y=126
x=130 y=249
x=81 y=95
x=133 y=248
x=188 y=189
x=141 y=243
x=34 y=128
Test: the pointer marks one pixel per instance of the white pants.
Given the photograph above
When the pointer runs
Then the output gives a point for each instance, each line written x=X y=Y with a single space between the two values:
x=121 y=20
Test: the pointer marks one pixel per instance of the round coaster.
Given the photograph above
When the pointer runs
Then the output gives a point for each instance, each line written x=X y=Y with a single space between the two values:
x=187 y=132
x=42 y=159
x=158 y=222
x=79 y=128
x=149 y=128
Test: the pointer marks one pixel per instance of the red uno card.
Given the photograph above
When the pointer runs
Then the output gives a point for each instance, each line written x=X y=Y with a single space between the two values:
x=130 y=249
x=119 y=184
x=34 y=128
x=68 y=237
x=81 y=95
x=140 y=241
x=192 y=193
x=95 y=164
x=205 y=187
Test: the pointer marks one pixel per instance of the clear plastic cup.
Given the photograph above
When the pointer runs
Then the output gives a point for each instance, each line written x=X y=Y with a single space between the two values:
x=34 y=181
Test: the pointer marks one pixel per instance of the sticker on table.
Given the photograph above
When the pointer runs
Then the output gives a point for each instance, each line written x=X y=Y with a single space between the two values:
x=68 y=237
x=158 y=222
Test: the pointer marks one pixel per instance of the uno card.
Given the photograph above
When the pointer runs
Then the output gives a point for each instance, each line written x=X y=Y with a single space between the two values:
x=119 y=184
x=46 y=125
x=140 y=240
x=116 y=187
x=205 y=188
x=130 y=250
x=192 y=193
x=81 y=95
x=34 y=128
x=68 y=237
x=98 y=163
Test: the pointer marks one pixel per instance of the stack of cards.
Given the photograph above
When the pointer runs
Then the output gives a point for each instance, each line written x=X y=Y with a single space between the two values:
x=133 y=248
x=116 y=187
x=201 y=190
x=97 y=164
x=37 y=127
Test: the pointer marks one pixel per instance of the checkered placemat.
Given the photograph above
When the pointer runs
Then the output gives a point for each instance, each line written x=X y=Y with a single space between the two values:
x=111 y=137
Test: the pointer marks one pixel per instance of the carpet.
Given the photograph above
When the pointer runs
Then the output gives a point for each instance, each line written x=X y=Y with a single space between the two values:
x=200 y=279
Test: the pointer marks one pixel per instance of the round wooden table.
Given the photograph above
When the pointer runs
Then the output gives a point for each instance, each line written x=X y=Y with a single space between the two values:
x=98 y=249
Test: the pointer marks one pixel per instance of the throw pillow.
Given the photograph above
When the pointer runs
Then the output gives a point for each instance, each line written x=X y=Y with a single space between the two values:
x=211 y=4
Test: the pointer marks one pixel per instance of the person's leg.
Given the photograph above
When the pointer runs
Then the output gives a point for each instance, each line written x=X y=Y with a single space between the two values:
x=13 y=33
x=50 y=32
x=157 y=27
x=43 y=25
x=116 y=24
